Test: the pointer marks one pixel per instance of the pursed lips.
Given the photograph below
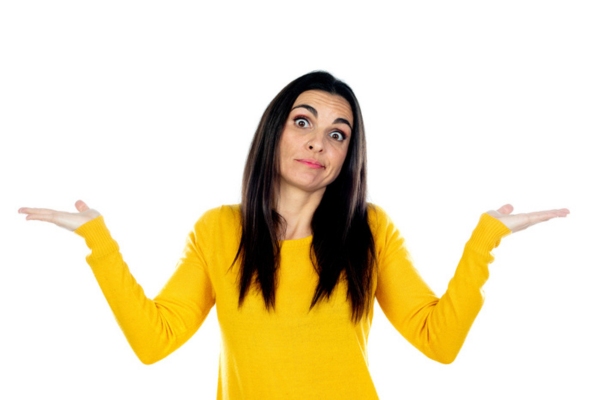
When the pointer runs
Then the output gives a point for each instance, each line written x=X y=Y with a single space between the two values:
x=311 y=163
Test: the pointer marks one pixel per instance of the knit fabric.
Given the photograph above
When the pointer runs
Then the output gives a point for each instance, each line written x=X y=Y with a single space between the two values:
x=292 y=352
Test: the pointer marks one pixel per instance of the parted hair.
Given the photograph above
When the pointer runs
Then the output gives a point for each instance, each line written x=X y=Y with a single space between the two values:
x=342 y=247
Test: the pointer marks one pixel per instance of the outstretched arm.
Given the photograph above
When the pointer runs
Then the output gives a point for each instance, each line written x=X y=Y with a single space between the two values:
x=439 y=326
x=154 y=328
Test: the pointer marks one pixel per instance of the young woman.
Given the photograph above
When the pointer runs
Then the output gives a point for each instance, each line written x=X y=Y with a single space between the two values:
x=295 y=269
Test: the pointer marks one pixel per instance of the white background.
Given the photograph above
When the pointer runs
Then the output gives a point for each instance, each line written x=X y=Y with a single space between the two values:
x=146 y=110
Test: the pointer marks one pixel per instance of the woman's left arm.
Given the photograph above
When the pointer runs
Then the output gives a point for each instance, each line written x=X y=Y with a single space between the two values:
x=439 y=326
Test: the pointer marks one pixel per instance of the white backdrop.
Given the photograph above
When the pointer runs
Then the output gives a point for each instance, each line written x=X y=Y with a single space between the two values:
x=145 y=110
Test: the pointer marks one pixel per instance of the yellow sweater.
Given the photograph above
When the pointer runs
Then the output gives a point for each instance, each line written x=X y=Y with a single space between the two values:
x=291 y=353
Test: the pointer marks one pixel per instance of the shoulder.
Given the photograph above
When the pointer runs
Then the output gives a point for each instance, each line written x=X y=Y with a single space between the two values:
x=392 y=257
x=384 y=231
x=225 y=217
x=377 y=217
x=217 y=230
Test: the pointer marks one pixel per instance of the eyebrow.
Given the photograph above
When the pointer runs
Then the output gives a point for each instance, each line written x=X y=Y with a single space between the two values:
x=314 y=112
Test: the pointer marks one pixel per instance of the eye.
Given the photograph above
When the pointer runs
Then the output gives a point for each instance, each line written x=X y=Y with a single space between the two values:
x=337 y=135
x=301 y=122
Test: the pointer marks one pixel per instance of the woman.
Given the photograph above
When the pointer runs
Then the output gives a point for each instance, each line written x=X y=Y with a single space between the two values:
x=294 y=270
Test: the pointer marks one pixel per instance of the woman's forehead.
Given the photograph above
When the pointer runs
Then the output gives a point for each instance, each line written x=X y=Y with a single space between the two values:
x=324 y=102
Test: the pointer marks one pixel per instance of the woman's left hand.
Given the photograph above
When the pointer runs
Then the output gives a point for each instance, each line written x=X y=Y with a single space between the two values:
x=518 y=222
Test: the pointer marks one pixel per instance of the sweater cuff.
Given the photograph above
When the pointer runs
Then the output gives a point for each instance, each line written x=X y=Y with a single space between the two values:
x=97 y=237
x=487 y=233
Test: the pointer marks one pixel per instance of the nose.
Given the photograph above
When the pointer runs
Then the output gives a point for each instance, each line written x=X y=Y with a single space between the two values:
x=315 y=143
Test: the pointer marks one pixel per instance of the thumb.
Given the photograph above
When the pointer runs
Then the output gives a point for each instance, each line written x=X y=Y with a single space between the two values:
x=81 y=206
x=506 y=209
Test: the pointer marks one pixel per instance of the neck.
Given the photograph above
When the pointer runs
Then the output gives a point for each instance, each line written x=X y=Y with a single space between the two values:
x=297 y=208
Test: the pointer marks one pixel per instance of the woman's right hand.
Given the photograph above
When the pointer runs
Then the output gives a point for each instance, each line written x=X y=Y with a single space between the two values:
x=70 y=221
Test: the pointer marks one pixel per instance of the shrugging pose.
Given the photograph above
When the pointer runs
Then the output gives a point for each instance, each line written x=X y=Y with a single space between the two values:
x=294 y=269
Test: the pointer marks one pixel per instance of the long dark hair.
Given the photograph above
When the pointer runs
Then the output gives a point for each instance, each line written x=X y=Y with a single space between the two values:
x=342 y=245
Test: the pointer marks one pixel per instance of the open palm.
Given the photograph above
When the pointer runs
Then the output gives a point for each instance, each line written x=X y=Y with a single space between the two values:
x=67 y=220
x=518 y=222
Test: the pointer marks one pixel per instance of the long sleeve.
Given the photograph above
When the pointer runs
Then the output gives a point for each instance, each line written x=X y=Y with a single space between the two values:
x=154 y=328
x=435 y=326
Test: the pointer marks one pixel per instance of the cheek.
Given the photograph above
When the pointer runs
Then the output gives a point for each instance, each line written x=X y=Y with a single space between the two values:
x=339 y=163
x=342 y=157
x=282 y=147
x=286 y=143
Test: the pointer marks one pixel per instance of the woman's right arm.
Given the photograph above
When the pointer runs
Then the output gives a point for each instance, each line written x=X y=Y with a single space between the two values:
x=154 y=328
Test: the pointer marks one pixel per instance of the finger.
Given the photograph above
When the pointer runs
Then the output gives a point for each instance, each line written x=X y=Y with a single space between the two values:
x=42 y=211
x=506 y=209
x=518 y=222
x=45 y=215
x=81 y=206
x=541 y=216
x=563 y=212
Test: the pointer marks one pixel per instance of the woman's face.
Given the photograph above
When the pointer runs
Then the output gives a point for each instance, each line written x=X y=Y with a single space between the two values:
x=314 y=142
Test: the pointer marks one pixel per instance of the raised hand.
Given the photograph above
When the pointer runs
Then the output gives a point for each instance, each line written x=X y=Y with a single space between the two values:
x=70 y=221
x=518 y=222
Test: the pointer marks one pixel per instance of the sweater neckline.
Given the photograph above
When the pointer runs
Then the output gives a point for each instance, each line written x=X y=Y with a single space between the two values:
x=302 y=242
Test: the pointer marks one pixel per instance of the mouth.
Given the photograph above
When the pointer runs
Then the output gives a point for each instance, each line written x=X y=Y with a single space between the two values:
x=311 y=163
